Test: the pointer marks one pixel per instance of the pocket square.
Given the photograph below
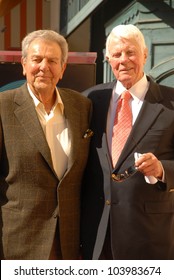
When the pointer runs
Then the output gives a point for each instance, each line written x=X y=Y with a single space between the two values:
x=88 y=133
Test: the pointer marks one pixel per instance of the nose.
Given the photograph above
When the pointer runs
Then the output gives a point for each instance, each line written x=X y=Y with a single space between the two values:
x=123 y=57
x=44 y=64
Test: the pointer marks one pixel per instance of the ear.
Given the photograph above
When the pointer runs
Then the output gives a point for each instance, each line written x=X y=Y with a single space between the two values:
x=107 y=58
x=23 y=62
x=145 y=55
x=63 y=70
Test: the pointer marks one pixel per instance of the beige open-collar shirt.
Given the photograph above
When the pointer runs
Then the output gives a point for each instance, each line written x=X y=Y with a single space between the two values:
x=56 y=132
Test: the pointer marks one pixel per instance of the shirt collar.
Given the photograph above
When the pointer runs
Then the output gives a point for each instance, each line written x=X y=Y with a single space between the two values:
x=137 y=91
x=57 y=102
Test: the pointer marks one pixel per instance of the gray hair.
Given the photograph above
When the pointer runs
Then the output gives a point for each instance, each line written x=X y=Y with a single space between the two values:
x=128 y=31
x=47 y=35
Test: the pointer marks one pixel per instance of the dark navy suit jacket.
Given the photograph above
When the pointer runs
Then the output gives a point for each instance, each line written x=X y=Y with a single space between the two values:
x=141 y=215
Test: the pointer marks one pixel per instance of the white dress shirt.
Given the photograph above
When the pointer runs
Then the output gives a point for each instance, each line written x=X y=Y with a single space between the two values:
x=56 y=132
x=138 y=92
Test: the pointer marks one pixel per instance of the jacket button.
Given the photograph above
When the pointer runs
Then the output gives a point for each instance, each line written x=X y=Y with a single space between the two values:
x=108 y=202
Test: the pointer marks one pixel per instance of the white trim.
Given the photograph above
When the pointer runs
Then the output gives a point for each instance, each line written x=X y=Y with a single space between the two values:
x=81 y=15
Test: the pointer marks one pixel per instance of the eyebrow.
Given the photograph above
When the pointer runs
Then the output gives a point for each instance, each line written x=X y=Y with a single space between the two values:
x=40 y=56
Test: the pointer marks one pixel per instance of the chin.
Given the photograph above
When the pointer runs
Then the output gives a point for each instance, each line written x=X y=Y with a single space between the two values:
x=41 y=85
x=127 y=83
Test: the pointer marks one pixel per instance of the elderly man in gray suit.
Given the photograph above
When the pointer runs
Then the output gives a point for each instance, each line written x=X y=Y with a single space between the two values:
x=43 y=151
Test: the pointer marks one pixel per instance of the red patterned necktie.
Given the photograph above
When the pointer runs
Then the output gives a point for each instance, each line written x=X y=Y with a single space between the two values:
x=122 y=125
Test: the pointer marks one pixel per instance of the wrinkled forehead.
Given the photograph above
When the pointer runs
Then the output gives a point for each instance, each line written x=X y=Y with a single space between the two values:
x=121 y=42
x=116 y=40
x=42 y=41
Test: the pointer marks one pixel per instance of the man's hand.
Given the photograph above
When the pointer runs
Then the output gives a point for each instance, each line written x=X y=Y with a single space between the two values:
x=149 y=165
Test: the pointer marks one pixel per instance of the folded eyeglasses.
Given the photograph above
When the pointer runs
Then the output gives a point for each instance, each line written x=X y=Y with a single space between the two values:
x=120 y=177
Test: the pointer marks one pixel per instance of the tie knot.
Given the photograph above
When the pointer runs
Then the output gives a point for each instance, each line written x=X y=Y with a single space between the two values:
x=126 y=95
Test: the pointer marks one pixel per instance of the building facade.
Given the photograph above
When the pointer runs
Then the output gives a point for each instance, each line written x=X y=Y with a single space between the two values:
x=87 y=30
x=24 y=17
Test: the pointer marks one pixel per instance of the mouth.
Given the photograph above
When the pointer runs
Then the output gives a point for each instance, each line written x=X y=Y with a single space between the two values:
x=42 y=77
x=126 y=70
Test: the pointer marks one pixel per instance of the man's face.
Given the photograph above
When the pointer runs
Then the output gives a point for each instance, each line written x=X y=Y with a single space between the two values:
x=42 y=66
x=127 y=61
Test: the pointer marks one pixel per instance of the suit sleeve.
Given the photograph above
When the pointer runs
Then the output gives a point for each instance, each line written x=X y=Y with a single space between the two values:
x=168 y=166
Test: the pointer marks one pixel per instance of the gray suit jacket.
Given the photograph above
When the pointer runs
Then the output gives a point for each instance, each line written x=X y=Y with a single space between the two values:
x=141 y=215
x=32 y=198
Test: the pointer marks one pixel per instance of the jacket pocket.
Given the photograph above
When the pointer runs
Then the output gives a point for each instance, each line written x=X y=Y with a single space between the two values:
x=159 y=207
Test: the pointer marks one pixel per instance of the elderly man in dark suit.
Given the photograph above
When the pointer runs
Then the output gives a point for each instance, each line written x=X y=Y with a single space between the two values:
x=43 y=152
x=128 y=204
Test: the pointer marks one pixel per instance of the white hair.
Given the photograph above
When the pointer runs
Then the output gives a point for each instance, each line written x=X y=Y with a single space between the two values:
x=47 y=35
x=128 y=31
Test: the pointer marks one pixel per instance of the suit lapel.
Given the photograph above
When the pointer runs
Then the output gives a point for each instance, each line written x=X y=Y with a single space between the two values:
x=102 y=99
x=72 y=116
x=27 y=116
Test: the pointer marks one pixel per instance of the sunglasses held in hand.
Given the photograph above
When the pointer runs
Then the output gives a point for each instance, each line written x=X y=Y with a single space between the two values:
x=120 y=177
